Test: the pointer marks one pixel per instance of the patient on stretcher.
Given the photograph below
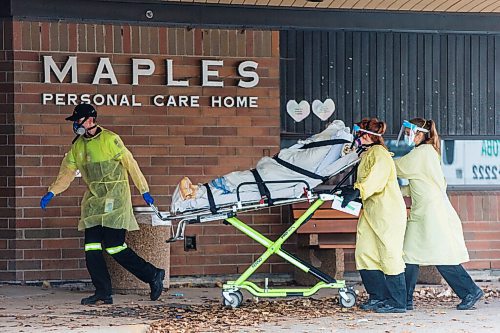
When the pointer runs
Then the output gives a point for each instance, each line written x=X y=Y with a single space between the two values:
x=312 y=160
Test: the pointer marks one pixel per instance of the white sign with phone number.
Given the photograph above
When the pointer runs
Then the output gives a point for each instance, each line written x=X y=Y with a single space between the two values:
x=482 y=162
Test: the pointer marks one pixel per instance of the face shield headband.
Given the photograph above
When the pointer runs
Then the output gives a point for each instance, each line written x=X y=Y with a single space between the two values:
x=411 y=133
x=358 y=132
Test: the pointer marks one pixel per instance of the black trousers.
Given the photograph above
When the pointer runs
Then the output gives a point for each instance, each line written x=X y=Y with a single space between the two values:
x=389 y=288
x=455 y=275
x=100 y=238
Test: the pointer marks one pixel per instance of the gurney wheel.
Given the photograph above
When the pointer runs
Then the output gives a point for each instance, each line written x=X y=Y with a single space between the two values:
x=351 y=295
x=240 y=296
x=236 y=298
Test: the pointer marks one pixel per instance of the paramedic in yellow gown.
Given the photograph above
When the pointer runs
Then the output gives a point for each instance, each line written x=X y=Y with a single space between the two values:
x=381 y=226
x=106 y=208
x=434 y=231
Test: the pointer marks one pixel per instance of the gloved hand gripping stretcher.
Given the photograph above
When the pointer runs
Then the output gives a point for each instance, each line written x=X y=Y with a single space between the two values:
x=327 y=145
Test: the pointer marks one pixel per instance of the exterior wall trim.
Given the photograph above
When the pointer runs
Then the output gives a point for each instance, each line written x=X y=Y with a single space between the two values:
x=264 y=17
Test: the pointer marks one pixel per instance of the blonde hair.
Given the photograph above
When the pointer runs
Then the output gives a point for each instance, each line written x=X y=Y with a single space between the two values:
x=430 y=137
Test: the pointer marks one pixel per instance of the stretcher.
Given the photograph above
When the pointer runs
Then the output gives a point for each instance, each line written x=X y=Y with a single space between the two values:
x=231 y=290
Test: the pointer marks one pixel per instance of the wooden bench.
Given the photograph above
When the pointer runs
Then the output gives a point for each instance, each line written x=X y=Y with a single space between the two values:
x=323 y=239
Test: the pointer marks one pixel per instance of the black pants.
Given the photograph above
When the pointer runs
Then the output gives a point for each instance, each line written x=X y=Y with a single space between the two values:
x=389 y=288
x=455 y=275
x=100 y=238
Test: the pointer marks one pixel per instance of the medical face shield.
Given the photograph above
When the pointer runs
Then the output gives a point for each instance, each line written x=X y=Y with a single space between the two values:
x=410 y=130
x=358 y=132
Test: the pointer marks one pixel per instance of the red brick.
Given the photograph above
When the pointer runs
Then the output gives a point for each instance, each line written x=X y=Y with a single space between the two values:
x=220 y=151
x=42 y=254
x=60 y=243
x=179 y=260
x=7 y=276
x=250 y=43
x=202 y=161
x=478 y=208
x=26 y=265
x=42 y=275
x=75 y=274
x=24 y=244
x=220 y=249
x=59 y=264
x=73 y=253
x=220 y=269
x=187 y=270
x=201 y=141
x=477 y=264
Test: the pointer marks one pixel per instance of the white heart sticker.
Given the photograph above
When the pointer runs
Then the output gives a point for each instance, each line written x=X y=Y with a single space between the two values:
x=323 y=109
x=298 y=111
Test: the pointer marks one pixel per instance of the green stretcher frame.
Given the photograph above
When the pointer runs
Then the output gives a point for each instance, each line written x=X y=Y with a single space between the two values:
x=231 y=289
x=275 y=248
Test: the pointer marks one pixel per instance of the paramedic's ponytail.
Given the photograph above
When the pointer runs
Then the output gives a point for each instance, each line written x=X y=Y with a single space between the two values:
x=432 y=136
x=376 y=126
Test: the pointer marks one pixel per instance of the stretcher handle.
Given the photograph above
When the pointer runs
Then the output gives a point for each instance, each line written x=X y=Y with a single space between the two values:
x=344 y=179
x=157 y=212
x=270 y=182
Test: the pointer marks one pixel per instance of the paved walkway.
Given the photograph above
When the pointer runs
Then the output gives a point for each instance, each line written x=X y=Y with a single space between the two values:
x=35 y=309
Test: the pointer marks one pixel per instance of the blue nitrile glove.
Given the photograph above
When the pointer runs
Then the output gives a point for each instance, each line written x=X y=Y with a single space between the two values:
x=148 y=198
x=349 y=194
x=46 y=199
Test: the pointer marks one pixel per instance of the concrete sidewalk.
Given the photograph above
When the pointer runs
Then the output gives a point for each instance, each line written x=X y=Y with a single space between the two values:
x=35 y=309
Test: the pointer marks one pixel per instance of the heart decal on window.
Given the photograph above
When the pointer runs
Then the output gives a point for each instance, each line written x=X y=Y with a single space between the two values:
x=298 y=111
x=323 y=109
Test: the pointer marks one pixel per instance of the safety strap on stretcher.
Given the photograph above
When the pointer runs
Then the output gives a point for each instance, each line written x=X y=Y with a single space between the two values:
x=323 y=143
x=261 y=185
x=263 y=189
x=211 y=201
x=300 y=170
x=317 y=144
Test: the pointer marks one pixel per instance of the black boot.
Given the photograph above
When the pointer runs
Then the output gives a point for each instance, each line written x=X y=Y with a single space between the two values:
x=471 y=299
x=371 y=304
x=390 y=309
x=94 y=299
x=157 y=284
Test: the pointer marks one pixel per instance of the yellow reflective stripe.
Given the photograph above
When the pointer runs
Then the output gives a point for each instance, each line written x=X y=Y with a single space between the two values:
x=93 y=246
x=116 y=249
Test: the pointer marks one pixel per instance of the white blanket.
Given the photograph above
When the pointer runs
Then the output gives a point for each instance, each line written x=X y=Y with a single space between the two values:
x=324 y=161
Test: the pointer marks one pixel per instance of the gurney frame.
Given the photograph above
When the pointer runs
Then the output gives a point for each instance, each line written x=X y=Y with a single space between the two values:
x=231 y=293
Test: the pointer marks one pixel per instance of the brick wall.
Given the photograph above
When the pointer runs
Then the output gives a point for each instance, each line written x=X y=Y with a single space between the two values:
x=480 y=215
x=7 y=153
x=168 y=143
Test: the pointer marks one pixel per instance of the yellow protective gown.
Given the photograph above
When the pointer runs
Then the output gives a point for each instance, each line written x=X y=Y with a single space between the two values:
x=434 y=231
x=103 y=161
x=381 y=226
